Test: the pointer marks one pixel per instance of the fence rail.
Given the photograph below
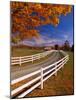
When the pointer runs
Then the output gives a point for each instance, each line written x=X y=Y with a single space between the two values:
x=41 y=75
x=31 y=58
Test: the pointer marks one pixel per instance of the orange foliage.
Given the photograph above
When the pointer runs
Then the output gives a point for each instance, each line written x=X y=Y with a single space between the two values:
x=24 y=21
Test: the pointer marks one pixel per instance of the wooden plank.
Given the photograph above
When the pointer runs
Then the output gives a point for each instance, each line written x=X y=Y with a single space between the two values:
x=25 y=85
x=25 y=77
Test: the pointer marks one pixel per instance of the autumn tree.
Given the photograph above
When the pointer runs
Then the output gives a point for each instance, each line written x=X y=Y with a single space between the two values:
x=25 y=17
x=56 y=46
x=66 y=46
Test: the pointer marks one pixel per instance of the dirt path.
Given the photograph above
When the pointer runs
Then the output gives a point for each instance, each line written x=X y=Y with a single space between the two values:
x=21 y=71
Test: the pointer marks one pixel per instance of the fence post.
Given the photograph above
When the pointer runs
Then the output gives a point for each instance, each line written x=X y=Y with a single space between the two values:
x=63 y=63
x=67 y=57
x=55 y=70
x=41 y=78
x=32 y=58
x=20 y=61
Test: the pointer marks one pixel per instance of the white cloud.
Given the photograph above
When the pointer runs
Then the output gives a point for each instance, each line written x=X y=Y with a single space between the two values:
x=65 y=37
x=45 y=40
x=42 y=41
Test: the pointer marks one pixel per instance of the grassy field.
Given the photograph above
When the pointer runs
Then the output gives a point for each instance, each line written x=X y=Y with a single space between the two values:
x=24 y=51
x=16 y=52
x=62 y=84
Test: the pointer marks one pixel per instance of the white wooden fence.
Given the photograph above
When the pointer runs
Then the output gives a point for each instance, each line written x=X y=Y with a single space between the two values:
x=42 y=75
x=31 y=58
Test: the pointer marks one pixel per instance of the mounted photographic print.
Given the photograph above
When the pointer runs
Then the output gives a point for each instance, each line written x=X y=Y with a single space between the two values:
x=42 y=49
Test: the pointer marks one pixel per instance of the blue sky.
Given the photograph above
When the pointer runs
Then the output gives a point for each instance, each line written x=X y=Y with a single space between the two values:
x=50 y=35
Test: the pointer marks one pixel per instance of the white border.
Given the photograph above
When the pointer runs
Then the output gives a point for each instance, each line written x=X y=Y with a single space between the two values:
x=50 y=1
x=5 y=48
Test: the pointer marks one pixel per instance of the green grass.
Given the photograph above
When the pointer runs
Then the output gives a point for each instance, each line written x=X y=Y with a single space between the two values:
x=24 y=51
x=68 y=68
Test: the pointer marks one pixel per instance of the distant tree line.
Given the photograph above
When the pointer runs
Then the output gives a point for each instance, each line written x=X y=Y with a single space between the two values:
x=66 y=46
